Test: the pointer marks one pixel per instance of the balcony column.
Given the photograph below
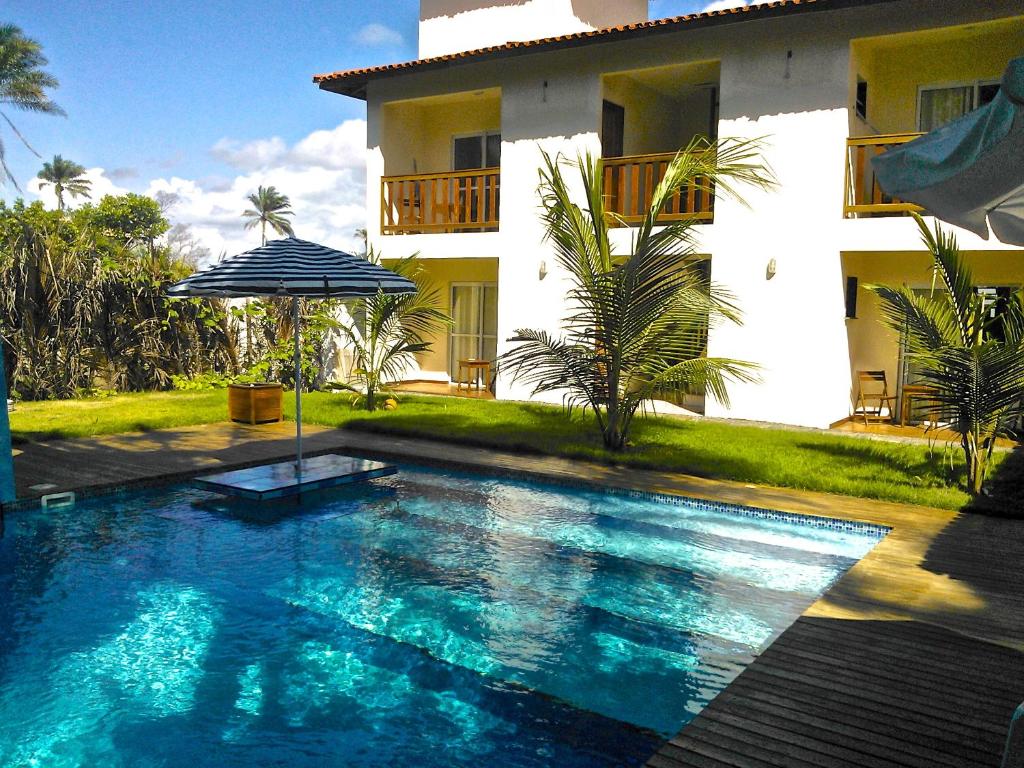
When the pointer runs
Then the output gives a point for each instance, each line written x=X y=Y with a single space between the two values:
x=556 y=112
x=794 y=326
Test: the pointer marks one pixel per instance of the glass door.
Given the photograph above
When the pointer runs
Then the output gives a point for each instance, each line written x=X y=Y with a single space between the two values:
x=474 y=333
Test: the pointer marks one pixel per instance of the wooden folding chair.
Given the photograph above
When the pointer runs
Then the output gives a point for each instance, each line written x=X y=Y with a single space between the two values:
x=870 y=401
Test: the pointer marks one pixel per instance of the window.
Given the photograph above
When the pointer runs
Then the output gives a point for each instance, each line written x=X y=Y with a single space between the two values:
x=852 y=284
x=480 y=150
x=862 y=99
x=938 y=105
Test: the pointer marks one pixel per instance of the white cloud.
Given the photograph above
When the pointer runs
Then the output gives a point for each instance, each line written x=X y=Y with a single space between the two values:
x=250 y=155
x=323 y=174
x=378 y=35
x=101 y=184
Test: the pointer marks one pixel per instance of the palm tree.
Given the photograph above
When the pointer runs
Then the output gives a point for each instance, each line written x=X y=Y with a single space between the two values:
x=393 y=329
x=971 y=356
x=23 y=84
x=269 y=207
x=638 y=323
x=65 y=176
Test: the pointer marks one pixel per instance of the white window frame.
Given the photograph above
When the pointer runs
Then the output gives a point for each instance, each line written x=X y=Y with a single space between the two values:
x=975 y=85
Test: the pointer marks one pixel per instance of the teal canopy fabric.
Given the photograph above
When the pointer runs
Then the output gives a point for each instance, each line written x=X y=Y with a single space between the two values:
x=970 y=172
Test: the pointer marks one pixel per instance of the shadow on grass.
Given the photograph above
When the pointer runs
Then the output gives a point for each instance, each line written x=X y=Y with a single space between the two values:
x=1004 y=495
x=931 y=470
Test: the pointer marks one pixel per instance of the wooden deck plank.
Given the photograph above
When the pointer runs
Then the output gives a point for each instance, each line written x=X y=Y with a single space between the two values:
x=873 y=738
x=825 y=708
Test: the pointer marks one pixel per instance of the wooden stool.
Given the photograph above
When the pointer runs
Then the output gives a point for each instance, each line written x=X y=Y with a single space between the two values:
x=473 y=366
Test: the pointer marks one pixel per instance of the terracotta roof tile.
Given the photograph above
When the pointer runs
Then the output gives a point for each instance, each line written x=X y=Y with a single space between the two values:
x=353 y=81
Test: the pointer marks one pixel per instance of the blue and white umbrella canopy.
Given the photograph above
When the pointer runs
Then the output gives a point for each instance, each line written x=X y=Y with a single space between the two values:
x=299 y=269
x=971 y=171
x=293 y=267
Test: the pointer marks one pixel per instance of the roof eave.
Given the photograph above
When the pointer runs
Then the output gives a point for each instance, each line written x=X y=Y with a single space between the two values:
x=354 y=83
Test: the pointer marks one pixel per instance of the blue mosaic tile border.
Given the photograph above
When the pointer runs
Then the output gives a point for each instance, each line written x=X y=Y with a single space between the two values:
x=878 y=531
x=833 y=523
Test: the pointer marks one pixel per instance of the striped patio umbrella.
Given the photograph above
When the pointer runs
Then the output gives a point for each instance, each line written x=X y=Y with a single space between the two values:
x=300 y=269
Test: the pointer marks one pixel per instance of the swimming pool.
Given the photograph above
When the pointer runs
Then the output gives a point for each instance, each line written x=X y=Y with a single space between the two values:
x=435 y=618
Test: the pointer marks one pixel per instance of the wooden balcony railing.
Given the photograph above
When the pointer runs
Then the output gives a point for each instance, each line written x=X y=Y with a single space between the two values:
x=457 y=201
x=629 y=184
x=864 y=195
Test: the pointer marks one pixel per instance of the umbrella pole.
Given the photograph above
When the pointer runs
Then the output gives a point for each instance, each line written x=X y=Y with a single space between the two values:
x=298 y=386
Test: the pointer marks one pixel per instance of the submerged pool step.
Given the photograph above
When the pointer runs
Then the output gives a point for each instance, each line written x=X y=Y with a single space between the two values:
x=764 y=569
x=682 y=610
x=666 y=518
x=727 y=607
x=567 y=655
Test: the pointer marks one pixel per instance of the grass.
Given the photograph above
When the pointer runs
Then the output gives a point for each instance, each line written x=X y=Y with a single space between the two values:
x=139 y=412
x=794 y=459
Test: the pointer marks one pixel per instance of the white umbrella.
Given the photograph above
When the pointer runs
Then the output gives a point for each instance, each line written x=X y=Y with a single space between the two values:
x=296 y=268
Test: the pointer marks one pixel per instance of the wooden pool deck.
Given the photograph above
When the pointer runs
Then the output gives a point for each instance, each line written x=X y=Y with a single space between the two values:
x=914 y=658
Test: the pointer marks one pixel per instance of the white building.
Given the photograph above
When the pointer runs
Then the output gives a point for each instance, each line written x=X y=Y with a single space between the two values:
x=821 y=80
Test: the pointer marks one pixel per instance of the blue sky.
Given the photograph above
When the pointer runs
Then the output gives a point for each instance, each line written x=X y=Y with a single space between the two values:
x=205 y=92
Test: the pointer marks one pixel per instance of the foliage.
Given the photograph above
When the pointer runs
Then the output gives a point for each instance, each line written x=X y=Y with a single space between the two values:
x=638 y=323
x=269 y=207
x=801 y=459
x=393 y=330
x=23 y=84
x=65 y=176
x=82 y=307
x=130 y=220
x=971 y=355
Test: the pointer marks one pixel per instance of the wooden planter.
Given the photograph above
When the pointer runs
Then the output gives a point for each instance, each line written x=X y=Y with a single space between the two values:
x=254 y=403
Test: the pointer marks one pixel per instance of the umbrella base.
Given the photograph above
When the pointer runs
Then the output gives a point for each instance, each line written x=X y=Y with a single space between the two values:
x=275 y=481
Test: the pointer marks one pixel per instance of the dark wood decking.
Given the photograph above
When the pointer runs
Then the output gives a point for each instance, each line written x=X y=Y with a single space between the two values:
x=836 y=693
x=914 y=658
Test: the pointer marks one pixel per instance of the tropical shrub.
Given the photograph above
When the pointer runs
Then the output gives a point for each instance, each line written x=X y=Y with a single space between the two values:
x=83 y=306
x=638 y=322
x=970 y=354
x=388 y=331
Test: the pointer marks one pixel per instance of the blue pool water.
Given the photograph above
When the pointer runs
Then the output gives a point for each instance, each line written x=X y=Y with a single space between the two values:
x=435 y=619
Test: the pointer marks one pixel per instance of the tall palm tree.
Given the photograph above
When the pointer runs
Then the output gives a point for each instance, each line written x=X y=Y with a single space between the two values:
x=23 y=85
x=637 y=324
x=393 y=329
x=971 y=356
x=269 y=207
x=65 y=176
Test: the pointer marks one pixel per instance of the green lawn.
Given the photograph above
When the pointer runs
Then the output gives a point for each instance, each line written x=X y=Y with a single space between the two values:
x=795 y=459
x=112 y=415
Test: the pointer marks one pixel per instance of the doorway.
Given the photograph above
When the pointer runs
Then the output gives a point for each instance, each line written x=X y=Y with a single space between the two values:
x=474 y=332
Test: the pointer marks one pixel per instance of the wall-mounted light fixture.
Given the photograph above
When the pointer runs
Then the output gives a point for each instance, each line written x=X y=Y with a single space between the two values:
x=771 y=269
x=542 y=271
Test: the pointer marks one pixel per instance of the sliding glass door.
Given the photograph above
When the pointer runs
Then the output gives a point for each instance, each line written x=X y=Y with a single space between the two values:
x=474 y=334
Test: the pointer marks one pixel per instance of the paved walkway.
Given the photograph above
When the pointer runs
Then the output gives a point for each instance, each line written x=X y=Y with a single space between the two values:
x=914 y=658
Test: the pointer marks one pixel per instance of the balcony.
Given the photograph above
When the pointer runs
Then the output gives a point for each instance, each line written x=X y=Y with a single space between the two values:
x=455 y=201
x=864 y=196
x=629 y=184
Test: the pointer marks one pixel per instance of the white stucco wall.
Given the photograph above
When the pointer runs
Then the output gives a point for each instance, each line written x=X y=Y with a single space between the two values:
x=450 y=26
